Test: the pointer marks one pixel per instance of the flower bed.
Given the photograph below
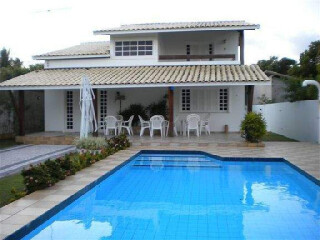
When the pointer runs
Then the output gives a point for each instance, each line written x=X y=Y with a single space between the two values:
x=46 y=174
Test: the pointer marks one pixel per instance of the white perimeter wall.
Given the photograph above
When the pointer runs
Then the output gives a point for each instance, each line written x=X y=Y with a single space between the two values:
x=55 y=107
x=297 y=120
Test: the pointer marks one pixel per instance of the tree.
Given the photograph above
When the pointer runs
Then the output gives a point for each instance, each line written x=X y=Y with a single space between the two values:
x=309 y=63
x=10 y=68
x=308 y=68
x=280 y=66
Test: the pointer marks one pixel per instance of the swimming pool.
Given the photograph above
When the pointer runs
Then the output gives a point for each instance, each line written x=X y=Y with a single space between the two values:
x=192 y=196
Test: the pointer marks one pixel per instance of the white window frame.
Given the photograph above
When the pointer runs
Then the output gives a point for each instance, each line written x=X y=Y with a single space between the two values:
x=226 y=106
x=217 y=99
x=100 y=102
x=69 y=115
x=134 y=50
x=181 y=99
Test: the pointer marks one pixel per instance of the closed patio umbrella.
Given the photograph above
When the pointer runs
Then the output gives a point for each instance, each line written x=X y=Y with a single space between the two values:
x=88 y=116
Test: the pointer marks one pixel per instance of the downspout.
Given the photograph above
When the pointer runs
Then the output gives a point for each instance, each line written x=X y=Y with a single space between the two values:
x=314 y=83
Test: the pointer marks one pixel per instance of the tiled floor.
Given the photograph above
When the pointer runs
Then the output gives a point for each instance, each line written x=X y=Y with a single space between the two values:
x=15 y=215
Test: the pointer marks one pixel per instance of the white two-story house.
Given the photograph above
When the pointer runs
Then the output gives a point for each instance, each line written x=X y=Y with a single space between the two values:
x=199 y=65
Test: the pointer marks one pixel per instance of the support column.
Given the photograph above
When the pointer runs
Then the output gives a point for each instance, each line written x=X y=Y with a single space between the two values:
x=241 y=44
x=95 y=106
x=250 y=97
x=21 y=113
x=170 y=98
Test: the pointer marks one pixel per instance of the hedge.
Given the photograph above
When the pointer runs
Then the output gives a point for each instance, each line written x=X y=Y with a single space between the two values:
x=46 y=174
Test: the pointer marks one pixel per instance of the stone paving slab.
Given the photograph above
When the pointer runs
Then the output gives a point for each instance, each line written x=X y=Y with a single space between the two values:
x=13 y=159
x=15 y=215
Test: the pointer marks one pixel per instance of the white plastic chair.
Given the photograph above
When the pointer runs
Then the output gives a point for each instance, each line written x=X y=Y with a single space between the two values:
x=144 y=125
x=193 y=123
x=204 y=124
x=166 y=124
x=156 y=123
x=111 y=123
x=128 y=125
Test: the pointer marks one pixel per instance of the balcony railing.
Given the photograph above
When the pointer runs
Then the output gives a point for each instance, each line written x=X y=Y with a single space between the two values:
x=208 y=57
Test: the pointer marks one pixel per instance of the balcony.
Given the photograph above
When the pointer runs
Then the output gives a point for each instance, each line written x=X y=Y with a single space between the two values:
x=208 y=57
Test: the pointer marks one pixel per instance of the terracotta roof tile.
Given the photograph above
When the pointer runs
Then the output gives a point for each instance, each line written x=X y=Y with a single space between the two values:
x=141 y=75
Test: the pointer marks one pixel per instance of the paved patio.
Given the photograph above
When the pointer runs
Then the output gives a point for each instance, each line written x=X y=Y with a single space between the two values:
x=12 y=160
x=21 y=212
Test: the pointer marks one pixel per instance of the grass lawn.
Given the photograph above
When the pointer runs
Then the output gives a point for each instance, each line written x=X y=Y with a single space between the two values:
x=6 y=184
x=273 y=137
x=7 y=143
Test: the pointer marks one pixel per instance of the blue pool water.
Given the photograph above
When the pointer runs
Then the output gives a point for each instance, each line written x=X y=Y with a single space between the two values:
x=172 y=196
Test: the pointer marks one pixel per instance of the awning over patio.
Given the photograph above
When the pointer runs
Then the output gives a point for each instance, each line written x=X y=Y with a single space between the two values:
x=117 y=77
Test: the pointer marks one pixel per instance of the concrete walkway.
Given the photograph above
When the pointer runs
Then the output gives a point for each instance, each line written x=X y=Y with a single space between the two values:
x=12 y=160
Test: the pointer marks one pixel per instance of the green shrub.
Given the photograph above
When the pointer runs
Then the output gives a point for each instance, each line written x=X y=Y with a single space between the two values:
x=55 y=170
x=51 y=171
x=253 y=127
x=158 y=108
x=37 y=177
x=118 y=143
x=69 y=166
x=134 y=109
x=90 y=143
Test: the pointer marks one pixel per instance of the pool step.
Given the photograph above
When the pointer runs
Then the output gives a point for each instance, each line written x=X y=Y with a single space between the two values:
x=178 y=166
x=169 y=160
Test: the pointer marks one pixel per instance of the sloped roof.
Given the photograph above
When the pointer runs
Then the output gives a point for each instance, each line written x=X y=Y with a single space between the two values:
x=179 y=25
x=88 y=48
x=141 y=75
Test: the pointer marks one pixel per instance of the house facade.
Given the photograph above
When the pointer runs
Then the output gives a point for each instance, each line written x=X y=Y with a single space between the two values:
x=198 y=65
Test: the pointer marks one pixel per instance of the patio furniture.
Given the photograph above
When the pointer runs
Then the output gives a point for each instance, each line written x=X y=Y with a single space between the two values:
x=111 y=123
x=157 y=122
x=128 y=125
x=204 y=124
x=144 y=125
x=166 y=124
x=193 y=123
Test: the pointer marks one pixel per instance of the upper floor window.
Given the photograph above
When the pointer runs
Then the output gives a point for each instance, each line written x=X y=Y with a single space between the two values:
x=133 y=48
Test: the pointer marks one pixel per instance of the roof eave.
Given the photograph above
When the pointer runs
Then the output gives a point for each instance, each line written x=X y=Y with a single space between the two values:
x=117 y=86
x=116 y=32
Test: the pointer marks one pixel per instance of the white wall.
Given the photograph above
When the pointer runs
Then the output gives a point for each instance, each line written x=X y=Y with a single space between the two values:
x=225 y=42
x=54 y=110
x=55 y=107
x=143 y=96
x=76 y=63
x=218 y=120
x=297 y=120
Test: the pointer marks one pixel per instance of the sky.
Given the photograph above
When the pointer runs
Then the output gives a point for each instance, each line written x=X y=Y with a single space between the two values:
x=27 y=28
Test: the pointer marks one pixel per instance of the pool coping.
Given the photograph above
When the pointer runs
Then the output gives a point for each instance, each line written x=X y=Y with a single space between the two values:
x=26 y=229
